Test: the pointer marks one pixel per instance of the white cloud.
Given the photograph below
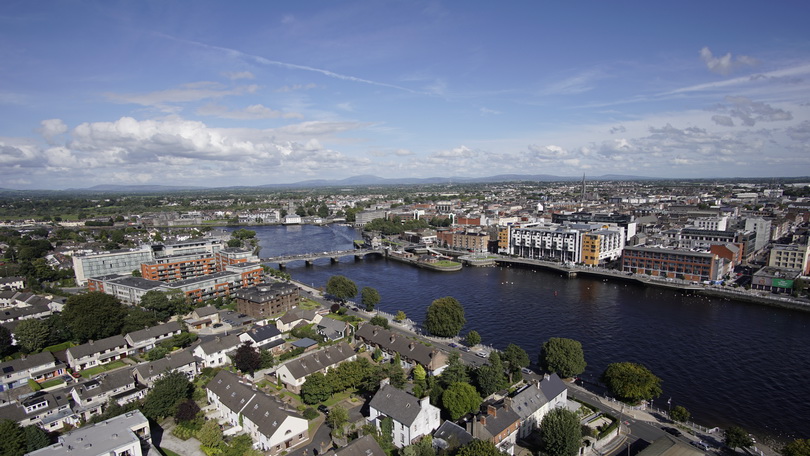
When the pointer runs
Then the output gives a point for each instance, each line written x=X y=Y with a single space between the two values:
x=295 y=87
x=191 y=92
x=52 y=127
x=251 y=112
x=726 y=64
x=487 y=111
x=749 y=112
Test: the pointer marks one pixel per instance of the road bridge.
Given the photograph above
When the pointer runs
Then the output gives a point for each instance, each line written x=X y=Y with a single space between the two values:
x=309 y=258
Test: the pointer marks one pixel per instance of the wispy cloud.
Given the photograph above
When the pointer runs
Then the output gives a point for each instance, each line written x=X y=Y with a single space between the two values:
x=186 y=93
x=726 y=64
x=290 y=66
x=580 y=83
x=251 y=112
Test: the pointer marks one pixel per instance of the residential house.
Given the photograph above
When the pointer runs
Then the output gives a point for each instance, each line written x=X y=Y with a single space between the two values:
x=412 y=417
x=146 y=339
x=214 y=353
x=203 y=317
x=533 y=402
x=12 y=283
x=499 y=424
x=123 y=435
x=182 y=361
x=411 y=352
x=450 y=436
x=264 y=338
x=97 y=352
x=273 y=427
x=294 y=373
x=49 y=410
x=332 y=329
x=297 y=317
x=91 y=396
x=38 y=367
x=364 y=446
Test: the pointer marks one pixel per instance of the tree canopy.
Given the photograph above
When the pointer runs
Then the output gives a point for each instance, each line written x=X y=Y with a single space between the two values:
x=94 y=315
x=246 y=358
x=679 y=413
x=341 y=287
x=445 y=317
x=563 y=356
x=381 y=321
x=166 y=394
x=516 y=357
x=737 y=437
x=370 y=297
x=561 y=433
x=459 y=399
x=631 y=382
x=32 y=335
x=480 y=448
x=473 y=338
x=798 y=447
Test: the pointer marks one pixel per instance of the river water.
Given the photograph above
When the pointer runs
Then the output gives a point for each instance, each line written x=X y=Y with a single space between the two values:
x=727 y=362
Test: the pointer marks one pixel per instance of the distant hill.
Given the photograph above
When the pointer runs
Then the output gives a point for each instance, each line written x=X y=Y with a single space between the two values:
x=135 y=188
x=365 y=180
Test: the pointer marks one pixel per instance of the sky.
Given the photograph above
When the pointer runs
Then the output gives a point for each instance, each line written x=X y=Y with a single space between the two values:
x=215 y=93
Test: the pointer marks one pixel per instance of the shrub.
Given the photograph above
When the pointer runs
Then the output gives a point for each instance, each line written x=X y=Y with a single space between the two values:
x=310 y=413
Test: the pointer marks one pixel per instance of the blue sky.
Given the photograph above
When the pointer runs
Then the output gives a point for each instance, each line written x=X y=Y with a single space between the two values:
x=250 y=93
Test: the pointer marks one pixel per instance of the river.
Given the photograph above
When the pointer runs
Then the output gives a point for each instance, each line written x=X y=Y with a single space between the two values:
x=727 y=362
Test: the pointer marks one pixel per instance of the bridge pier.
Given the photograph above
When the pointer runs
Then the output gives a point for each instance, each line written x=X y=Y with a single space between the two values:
x=308 y=263
x=334 y=260
x=282 y=266
x=358 y=257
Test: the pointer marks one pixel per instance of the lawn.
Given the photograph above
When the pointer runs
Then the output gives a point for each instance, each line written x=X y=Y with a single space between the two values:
x=445 y=263
x=87 y=373
x=309 y=305
x=51 y=382
x=166 y=452
x=57 y=347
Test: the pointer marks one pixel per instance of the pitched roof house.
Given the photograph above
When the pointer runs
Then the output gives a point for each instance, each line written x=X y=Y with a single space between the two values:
x=412 y=417
x=90 y=396
x=533 y=402
x=294 y=373
x=498 y=424
x=182 y=361
x=263 y=337
x=146 y=339
x=38 y=367
x=214 y=353
x=97 y=352
x=272 y=426
x=411 y=352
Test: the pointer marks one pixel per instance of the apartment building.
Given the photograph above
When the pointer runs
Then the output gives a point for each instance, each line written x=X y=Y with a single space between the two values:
x=673 y=263
x=266 y=300
x=790 y=256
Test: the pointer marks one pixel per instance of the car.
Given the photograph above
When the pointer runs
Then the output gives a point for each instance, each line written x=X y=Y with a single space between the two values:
x=452 y=345
x=76 y=375
x=323 y=409
x=481 y=355
x=672 y=431
x=464 y=349
x=526 y=370
x=700 y=444
x=355 y=309
x=217 y=325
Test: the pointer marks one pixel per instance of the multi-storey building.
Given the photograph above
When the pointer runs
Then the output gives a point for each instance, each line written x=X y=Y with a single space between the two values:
x=547 y=242
x=472 y=240
x=790 y=256
x=179 y=267
x=266 y=300
x=603 y=246
x=672 y=263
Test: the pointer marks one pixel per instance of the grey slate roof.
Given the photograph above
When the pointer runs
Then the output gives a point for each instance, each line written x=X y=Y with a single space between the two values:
x=104 y=383
x=154 y=331
x=30 y=362
x=453 y=434
x=219 y=344
x=205 y=311
x=552 y=386
x=407 y=348
x=172 y=361
x=397 y=404
x=298 y=314
x=264 y=292
x=493 y=424
x=262 y=333
x=319 y=360
x=80 y=351
x=364 y=446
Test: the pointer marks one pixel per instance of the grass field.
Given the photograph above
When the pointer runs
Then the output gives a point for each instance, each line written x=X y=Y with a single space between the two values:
x=87 y=373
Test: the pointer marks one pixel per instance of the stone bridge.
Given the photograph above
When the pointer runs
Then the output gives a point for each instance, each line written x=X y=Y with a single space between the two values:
x=334 y=256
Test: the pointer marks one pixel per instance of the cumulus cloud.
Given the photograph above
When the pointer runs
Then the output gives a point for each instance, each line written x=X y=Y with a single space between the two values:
x=251 y=112
x=750 y=112
x=725 y=121
x=50 y=128
x=726 y=64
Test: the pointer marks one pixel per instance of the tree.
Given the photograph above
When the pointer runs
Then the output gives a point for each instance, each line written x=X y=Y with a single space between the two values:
x=563 y=356
x=445 y=317
x=459 y=399
x=316 y=388
x=516 y=357
x=247 y=359
x=400 y=316
x=137 y=319
x=455 y=372
x=164 y=397
x=13 y=442
x=480 y=448
x=679 y=413
x=472 y=339
x=798 y=447
x=210 y=435
x=737 y=437
x=631 y=382
x=266 y=359
x=490 y=379
x=379 y=320
x=6 y=346
x=341 y=287
x=337 y=418
x=560 y=433
x=35 y=438
x=94 y=315
x=370 y=297
x=419 y=374
x=32 y=335
x=186 y=411
x=158 y=303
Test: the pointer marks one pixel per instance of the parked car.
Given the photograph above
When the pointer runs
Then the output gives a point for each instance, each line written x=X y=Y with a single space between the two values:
x=672 y=431
x=701 y=444
x=452 y=345
x=481 y=355
x=526 y=370
x=323 y=409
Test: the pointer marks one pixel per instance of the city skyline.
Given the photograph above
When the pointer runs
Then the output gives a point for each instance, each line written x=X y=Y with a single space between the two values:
x=214 y=94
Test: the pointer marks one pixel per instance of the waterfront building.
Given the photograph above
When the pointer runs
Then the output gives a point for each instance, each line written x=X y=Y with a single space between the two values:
x=179 y=267
x=266 y=300
x=474 y=240
x=274 y=427
x=776 y=280
x=790 y=256
x=411 y=352
x=547 y=242
x=412 y=417
x=533 y=402
x=602 y=246
x=672 y=263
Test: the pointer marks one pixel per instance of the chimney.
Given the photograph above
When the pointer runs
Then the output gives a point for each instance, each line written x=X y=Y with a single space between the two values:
x=424 y=402
x=90 y=341
x=482 y=419
x=491 y=410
